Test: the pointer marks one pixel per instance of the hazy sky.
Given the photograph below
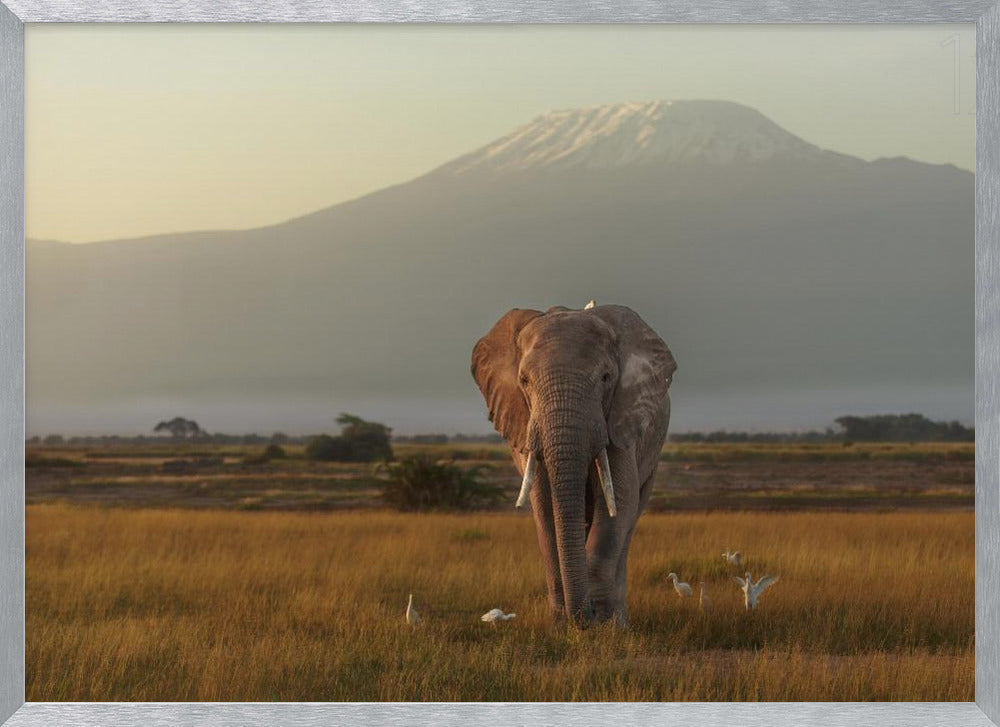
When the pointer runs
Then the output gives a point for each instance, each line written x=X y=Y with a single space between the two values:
x=142 y=129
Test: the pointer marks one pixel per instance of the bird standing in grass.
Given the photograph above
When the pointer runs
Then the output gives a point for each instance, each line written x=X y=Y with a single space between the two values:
x=733 y=558
x=412 y=617
x=704 y=602
x=752 y=591
x=495 y=614
x=683 y=589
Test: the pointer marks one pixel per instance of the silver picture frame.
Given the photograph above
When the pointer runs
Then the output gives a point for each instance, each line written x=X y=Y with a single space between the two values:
x=985 y=14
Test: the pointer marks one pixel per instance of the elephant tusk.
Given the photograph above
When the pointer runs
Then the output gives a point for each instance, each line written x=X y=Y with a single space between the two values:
x=604 y=474
x=529 y=477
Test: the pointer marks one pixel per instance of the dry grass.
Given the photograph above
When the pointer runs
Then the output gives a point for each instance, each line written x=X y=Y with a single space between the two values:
x=209 y=605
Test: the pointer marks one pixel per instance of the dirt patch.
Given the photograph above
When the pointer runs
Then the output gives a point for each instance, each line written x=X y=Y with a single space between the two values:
x=790 y=485
x=297 y=484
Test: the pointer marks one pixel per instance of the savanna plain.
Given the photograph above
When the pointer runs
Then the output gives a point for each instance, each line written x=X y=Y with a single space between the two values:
x=194 y=573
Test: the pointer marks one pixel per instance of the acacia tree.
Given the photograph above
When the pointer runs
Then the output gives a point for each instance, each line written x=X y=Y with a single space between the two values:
x=180 y=428
x=367 y=441
x=359 y=441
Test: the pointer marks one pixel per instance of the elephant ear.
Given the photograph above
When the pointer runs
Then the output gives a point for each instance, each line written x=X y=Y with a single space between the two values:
x=646 y=368
x=495 y=361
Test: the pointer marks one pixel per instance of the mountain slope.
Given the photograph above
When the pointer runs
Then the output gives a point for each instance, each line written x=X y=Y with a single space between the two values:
x=768 y=264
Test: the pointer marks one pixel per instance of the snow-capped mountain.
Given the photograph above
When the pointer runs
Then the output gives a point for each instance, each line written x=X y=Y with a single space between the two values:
x=619 y=135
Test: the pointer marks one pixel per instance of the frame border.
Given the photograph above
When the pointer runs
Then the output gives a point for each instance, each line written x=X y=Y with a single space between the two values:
x=984 y=13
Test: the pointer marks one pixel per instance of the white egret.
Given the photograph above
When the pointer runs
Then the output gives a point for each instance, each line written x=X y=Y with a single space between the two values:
x=495 y=614
x=733 y=558
x=683 y=589
x=590 y=304
x=412 y=617
x=751 y=590
x=704 y=602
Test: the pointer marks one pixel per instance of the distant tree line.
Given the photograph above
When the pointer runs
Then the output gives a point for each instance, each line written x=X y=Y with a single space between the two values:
x=372 y=441
x=446 y=438
x=722 y=435
x=203 y=437
x=141 y=440
x=876 y=428
x=903 y=428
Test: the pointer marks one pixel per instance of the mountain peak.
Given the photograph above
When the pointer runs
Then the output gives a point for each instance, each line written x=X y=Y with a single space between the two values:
x=636 y=133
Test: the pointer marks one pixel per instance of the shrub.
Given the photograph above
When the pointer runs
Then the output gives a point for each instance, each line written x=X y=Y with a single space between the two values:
x=271 y=451
x=326 y=448
x=367 y=441
x=33 y=459
x=359 y=441
x=423 y=483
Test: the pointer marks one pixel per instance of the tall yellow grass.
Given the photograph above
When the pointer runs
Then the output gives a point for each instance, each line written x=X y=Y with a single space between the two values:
x=182 y=605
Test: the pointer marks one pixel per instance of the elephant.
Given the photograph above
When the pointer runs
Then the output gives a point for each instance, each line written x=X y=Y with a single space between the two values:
x=582 y=399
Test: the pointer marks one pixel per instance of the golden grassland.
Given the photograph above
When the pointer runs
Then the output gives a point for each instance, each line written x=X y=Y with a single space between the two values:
x=213 y=605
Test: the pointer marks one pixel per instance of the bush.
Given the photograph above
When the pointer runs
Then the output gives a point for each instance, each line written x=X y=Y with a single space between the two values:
x=32 y=459
x=359 y=441
x=326 y=448
x=423 y=483
x=366 y=441
x=271 y=451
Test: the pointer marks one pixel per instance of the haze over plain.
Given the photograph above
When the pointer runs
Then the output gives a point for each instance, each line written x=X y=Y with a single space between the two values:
x=794 y=284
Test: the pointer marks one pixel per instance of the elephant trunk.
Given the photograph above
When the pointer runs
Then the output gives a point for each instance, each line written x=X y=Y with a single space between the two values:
x=568 y=477
x=566 y=447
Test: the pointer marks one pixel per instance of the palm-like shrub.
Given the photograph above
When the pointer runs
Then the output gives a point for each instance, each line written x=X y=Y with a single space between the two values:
x=421 y=482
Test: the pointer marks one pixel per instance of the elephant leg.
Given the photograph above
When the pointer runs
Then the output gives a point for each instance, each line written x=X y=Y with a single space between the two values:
x=541 y=508
x=646 y=465
x=609 y=536
x=621 y=573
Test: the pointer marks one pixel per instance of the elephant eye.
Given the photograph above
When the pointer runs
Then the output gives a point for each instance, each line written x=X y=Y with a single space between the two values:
x=607 y=377
x=524 y=380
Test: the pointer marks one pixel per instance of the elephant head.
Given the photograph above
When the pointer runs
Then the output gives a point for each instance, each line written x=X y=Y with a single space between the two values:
x=562 y=387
